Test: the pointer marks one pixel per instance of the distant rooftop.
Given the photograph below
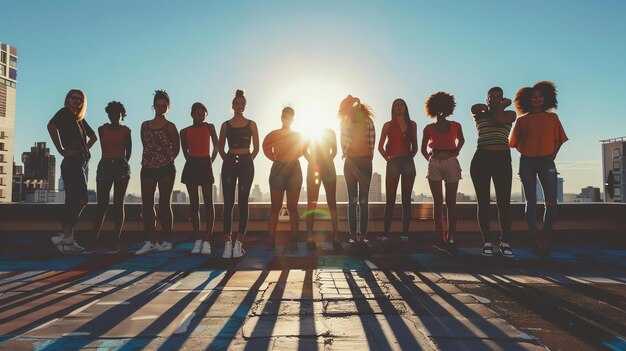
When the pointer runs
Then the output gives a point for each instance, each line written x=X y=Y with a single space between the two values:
x=612 y=140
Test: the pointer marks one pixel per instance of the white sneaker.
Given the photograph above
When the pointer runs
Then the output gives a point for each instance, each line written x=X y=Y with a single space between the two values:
x=164 y=246
x=70 y=249
x=57 y=239
x=197 y=246
x=404 y=237
x=228 y=249
x=147 y=247
x=206 y=248
x=238 y=249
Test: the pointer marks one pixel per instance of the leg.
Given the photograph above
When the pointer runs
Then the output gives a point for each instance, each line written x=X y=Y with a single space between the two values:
x=245 y=184
x=103 y=189
x=351 y=184
x=118 y=207
x=166 y=185
x=207 y=195
x=276 y=196
x=73 y=173
x=481 y=178
x=148 y=188
x=194 y=204
x=528 y=176
x=391 y=186
x=451 y=189
x=331 y=199
x=502 y=180
x=406 y=188
x=312 y=193
x=294 y=217
x=365 y=179
x=435 y=189
x=548 y=177
x=228 y=190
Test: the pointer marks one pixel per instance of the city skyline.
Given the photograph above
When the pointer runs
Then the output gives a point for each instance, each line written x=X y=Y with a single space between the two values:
x=283 y=59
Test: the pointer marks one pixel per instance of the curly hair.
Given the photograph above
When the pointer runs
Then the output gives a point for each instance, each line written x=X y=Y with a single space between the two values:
x=351 y=108
x=524 y=96
x=440 y=104
x=115 y=107
x=161 y=94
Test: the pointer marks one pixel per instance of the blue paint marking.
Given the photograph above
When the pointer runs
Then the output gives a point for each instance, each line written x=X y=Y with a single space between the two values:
x=61 y=263
x=617 y=344
x=339 y=262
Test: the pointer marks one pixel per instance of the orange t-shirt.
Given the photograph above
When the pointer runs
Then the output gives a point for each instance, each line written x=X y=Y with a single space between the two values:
x=537 y=134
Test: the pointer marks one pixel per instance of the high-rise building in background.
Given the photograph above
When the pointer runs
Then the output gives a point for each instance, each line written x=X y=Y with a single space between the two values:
x=614 y=169
x=376 y=191
x=342 y=190
x=18 y=184
x=590 y=193
x=39 y=168
x=8 y=82
x=256 y=195
x=539 y=191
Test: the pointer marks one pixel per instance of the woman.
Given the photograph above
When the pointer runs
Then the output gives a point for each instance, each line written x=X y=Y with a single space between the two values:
x=284 y=147
x=492 y=160
x=113 y=169
x=320 y=153
x=160 y=147
x=445 y=139
x=538 y=136
x=358 y=137
x=398 y=145
x=196 y=143
x=69 y=131
x=237 y=170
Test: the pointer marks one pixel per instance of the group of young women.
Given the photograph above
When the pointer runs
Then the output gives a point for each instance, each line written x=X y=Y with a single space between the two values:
x=537 y=135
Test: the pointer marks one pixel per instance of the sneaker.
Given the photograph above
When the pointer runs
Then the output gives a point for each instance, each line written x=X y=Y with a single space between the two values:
x=113 y=250
x=197 y=246
x=206 y=248
x=164 y=246
x=487 y=250
x=238 y=250
x=383 y=239
x=147 y=247
x=404 y=238
x=451 y=247
x=505 y=248
x=57 y=239
x=228 y=249
x=70 y=249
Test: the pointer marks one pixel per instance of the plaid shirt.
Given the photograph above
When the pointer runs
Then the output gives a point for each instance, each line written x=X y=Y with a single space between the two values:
x=346 y=136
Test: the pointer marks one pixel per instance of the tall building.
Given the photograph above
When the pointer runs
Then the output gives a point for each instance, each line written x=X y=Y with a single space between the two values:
x=39 y=168
x=18 y=184
x=8 y=81
x=539 y=191
x=256 y=195
x=614 y=168
x=591 y=193
x=376 y=191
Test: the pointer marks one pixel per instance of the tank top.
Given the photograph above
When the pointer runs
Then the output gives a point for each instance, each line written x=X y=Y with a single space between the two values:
x=158 y=149
x=398 y=142
x=492 y=133
x=198 y=141
x=443 y=141
x=239 y=137
x=113 y=141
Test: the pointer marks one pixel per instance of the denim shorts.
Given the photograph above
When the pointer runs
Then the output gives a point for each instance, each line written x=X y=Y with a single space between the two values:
x=400 y=165
x=112 y=169
x=286 y=176
x=448 y=170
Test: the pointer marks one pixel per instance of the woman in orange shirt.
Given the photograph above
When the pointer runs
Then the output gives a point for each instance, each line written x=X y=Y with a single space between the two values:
x=538 y=136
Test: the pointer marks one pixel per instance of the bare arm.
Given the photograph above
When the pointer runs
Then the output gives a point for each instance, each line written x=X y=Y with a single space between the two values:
x=173 y=133
x=222 y=141
x=461 y=140
x=184 y=144
x=501 y=116
x=54 y=135
x=478 y=108
x=268 y=147
x=213 y=134
x=383 y=138
x=414 y=144
x=129 y=146
x=425 y=139
x=305 y=149
x=255 y=140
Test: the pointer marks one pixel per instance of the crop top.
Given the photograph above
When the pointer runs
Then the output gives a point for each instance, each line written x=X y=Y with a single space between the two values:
x=491 y=132
x=443 y=141
x=239 y=137
x=398 y=143
x=198 y=141
x=113 y=141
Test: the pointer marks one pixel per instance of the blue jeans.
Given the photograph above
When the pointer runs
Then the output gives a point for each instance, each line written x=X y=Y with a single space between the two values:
x=358 y=173
x=531 y=168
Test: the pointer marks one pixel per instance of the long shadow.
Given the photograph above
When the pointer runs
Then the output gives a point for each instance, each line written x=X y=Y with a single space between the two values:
x=403 y=335
x=117 y=313
x=270 y=309
x=227 y=333
x=560 y=313
x=364 y=310
x=12 y=278
x=307 y=326
x=595 y=293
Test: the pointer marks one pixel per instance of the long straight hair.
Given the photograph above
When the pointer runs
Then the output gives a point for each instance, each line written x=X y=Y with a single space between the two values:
x=407 y=118
x=83 y=110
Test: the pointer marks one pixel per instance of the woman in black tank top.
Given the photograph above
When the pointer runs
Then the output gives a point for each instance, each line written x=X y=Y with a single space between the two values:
x=237 y=171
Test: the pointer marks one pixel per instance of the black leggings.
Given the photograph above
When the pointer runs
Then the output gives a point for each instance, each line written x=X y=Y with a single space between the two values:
x=358 y=173
x=496 y=164
x=73 y=174
x=237 y=172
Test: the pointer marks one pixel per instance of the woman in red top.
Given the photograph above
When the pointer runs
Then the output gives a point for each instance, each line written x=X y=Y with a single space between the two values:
x=196 y=143
x=113 y=169
x=400 y=135
x=445 y=139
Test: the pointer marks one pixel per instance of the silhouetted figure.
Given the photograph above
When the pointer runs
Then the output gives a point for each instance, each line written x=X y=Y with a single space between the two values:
x=358 y=137
x=196 y=143
x=538 y=136
x=113 y=170
x=160 y=147
x=320 y=151
x=398 y=146
x=284 y=147
x=237 y=171
x=69 y=131
x=492 y=160
x=445 y=139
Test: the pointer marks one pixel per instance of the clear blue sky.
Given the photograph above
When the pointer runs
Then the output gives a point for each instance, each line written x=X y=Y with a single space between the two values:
x=312 y=54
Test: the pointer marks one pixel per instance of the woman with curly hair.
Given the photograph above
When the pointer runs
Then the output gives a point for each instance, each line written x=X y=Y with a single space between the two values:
x=445 y=139
x=73 y=137
x=538 y=136
x=196 y=141
x=113 y=169
x=237 y=171
x=358 y=137
x=160 y=147
x=492 y=160
x=398 y=146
